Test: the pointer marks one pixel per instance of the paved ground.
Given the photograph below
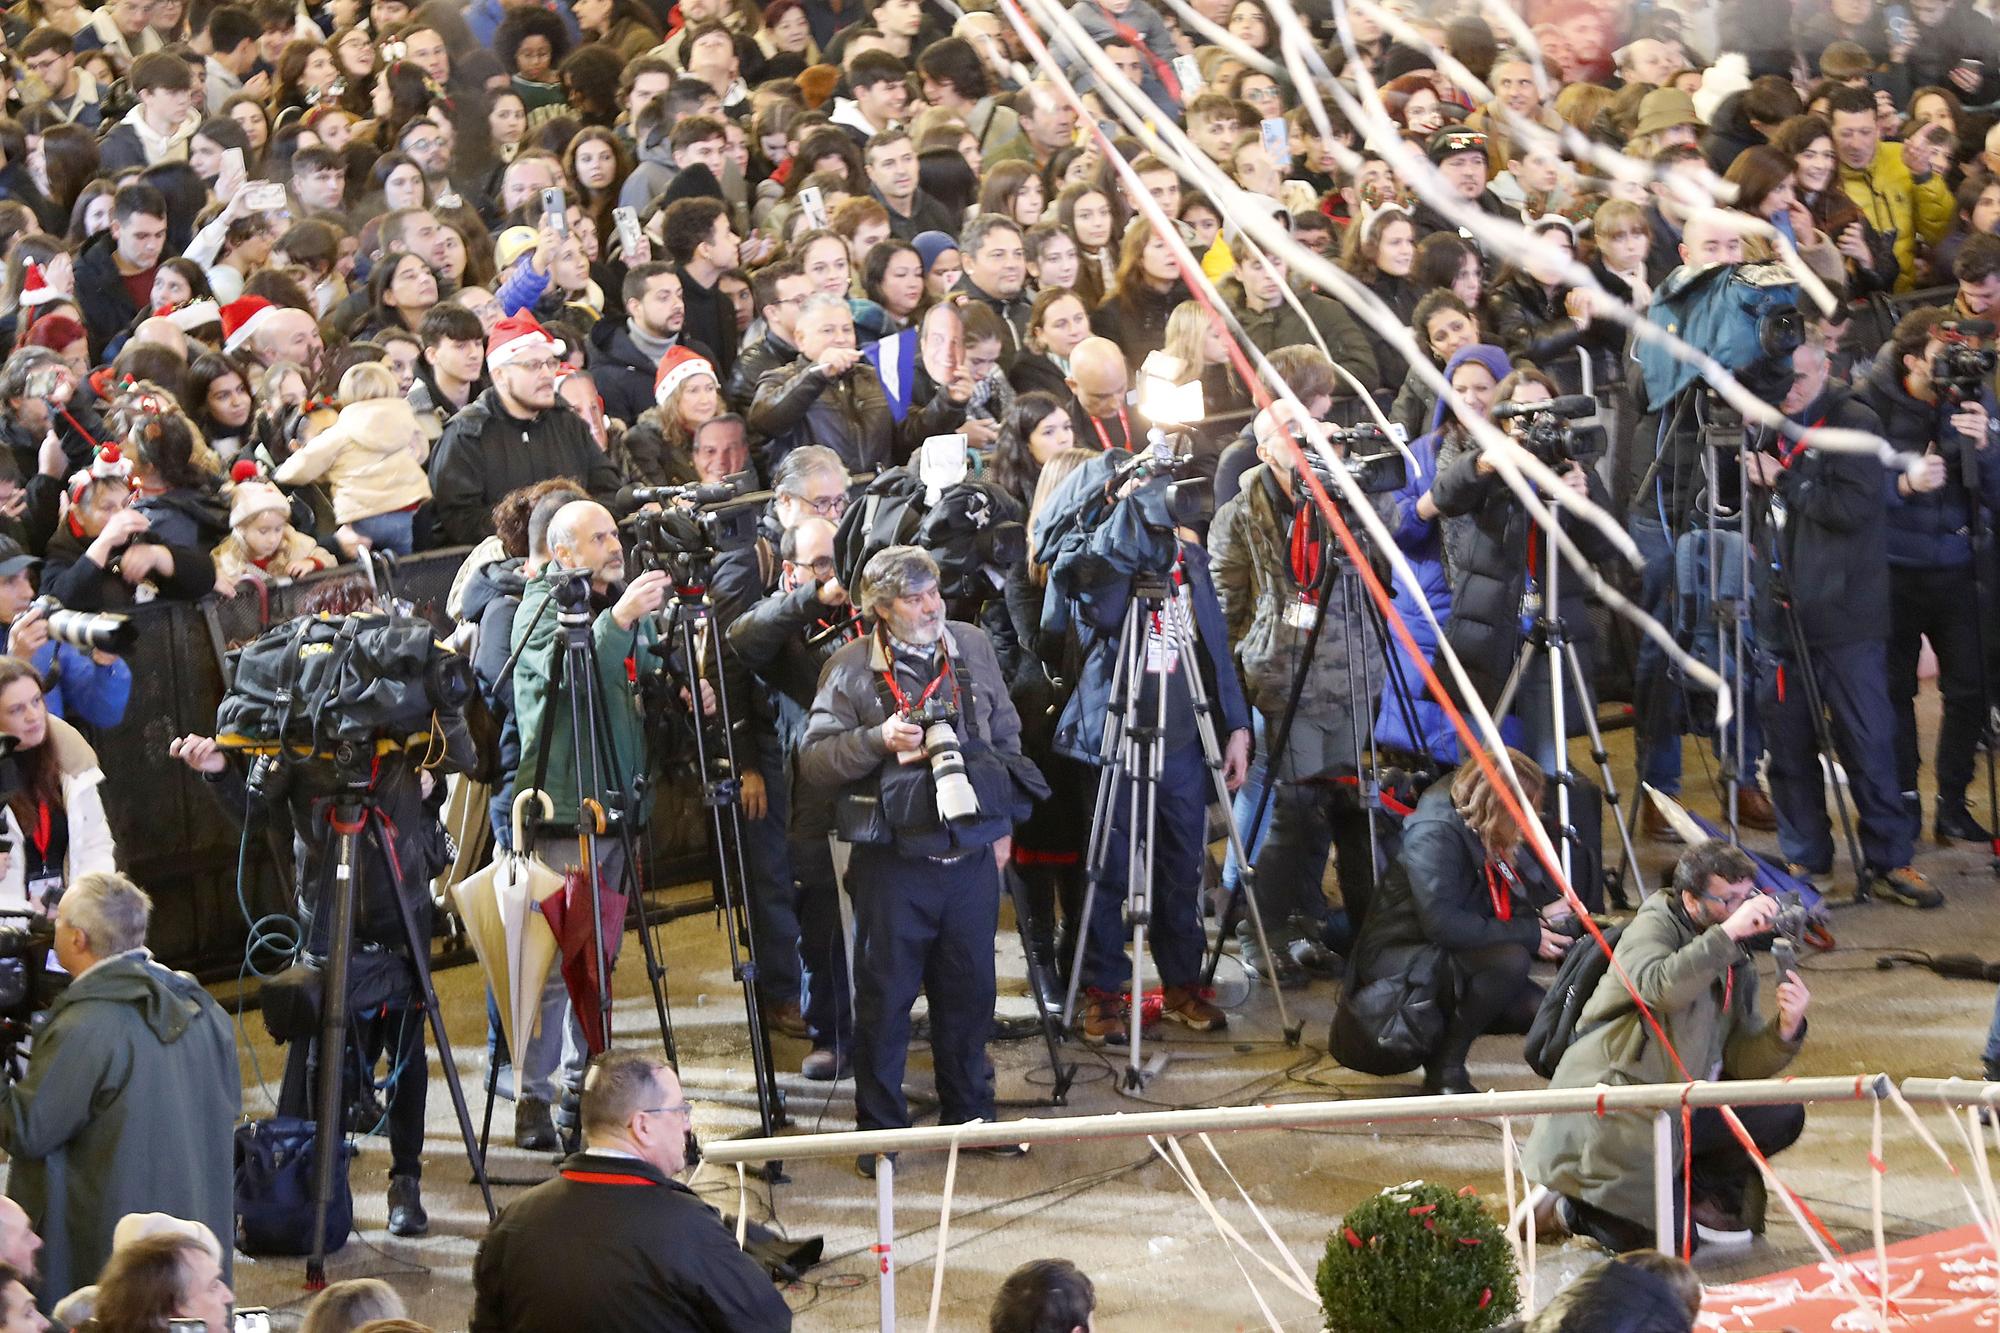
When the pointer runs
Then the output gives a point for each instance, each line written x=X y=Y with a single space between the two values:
x=1114 y=1207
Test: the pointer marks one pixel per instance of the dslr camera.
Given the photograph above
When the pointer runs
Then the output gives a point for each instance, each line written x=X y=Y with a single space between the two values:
x=957 y=803
x=1963 y=367
x=86 y=631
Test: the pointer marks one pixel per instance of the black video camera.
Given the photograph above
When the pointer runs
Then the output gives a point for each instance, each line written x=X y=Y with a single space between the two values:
x=86 y=631
x=24 y=950
x=1380 y=472
x=1545 y=430
x=1166 y=498
x=1963 y=368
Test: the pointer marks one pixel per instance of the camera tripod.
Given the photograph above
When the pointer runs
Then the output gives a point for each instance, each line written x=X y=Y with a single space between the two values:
x=1336 y=575
x=605 y=801
x=1549 y=640
x=354 y=809
x=691 y=627
x=1157 y=640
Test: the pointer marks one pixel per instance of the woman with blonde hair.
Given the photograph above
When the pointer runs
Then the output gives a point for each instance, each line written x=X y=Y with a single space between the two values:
x=1443 y=952
x=1200 y=342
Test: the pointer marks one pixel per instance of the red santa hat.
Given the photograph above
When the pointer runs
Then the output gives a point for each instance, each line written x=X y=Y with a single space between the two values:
x=242 y=318
x=191 y=315
x=680 y=366
x=519 y=336
x=35 y=289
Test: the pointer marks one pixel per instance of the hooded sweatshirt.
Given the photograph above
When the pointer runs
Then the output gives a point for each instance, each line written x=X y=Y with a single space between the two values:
x=134 y=143
x=372 y=457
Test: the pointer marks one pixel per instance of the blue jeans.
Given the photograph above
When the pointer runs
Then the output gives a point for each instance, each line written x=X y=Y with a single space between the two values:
x=393 y=531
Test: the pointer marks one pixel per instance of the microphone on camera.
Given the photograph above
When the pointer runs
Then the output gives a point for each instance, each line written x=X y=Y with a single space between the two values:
x=1569 y=407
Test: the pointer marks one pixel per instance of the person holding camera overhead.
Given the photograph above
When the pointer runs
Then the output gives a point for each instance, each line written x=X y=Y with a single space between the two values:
x=914 y=730
x=1496 y=555
x=1949 y=419
x=1269 y=548
x=54 y=824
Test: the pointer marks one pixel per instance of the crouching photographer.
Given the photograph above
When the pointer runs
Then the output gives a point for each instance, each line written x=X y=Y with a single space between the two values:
x=913 y=727
x=1931 y=386
x=1687 y=954
x=349 y=705
x=1500 y=559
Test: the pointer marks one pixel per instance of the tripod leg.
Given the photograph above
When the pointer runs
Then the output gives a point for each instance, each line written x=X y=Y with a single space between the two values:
x=329 y=1138
x=1603 y=758
x=1017 y=889
x=1111 y=750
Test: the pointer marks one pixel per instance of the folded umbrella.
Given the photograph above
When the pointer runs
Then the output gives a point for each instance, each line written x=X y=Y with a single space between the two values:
x=515 y=943
x=568 y=914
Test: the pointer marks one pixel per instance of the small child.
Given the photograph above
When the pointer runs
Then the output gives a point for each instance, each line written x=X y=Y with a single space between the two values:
x=373 y=459
x=262 y=543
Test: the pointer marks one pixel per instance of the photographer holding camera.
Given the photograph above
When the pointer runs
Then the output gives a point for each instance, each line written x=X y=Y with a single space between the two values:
x=1496 y=556
x=88 y=684
x=131 y=1094
x=1688 y=956
x=584 y=549
x=1822 y=606
x=1931 y=385
x=1269 y=549
x=913 y=732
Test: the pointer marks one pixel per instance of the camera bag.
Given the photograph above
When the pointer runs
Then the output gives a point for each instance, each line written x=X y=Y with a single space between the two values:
x=274 y=1189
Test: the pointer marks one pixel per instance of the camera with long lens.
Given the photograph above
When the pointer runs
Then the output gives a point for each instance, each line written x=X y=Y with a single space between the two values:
x=957 y=803
x=1162 y=492
x=698 y=523
x=86 y=631
x=1377 y=472
x=1962 y=370
x=27 y=984
x=1547 y=432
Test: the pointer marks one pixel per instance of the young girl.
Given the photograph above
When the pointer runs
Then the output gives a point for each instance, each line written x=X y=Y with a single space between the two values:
x=373 y=459
x=262 y=543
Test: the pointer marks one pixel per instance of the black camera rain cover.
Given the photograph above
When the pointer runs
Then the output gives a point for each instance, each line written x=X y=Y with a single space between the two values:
x=322 y=681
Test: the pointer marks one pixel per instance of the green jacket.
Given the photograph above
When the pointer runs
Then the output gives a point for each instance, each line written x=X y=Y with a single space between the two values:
x=622 y=656
x=1280 y=326
x=129 y=1106
x=1683 y=972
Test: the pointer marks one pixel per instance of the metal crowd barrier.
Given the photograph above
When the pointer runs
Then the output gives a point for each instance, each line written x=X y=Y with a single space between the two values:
x=1662 y=1100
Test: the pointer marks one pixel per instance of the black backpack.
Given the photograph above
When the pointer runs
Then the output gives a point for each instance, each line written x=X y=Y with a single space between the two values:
x=1554 y=1029
x=274 y=1184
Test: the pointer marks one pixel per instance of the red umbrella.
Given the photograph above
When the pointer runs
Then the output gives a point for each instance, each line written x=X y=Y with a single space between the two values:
x=568 y=913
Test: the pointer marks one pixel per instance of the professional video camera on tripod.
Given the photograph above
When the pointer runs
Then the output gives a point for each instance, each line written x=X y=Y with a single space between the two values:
x=350 y=718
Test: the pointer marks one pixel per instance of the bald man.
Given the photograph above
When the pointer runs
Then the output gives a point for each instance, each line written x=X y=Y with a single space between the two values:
x=1713 y=236
x=159 y=329
x=1101 y=414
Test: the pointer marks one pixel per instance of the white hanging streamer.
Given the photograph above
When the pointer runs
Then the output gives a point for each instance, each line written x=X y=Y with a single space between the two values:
x=944 y=1225
x=1284 y=1251
x=1178 y=1163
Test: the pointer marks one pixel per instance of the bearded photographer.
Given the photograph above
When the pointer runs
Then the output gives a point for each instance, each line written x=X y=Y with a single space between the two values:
x=1930 y=519
x=1268 y=549
x=398 y=855
x=786 y=639
x=584 y=547
x=1822 y=605
x=1497 y=559
x=1687 y=955
x=896 y=712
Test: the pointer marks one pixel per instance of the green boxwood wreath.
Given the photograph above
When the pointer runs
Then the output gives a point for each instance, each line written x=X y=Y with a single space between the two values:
x=1415 y=1257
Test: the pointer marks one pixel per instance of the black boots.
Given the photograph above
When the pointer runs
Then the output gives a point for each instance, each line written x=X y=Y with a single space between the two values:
x=406 y=1207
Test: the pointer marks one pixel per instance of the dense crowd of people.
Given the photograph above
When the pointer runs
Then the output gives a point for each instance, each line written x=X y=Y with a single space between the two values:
x=288 y=283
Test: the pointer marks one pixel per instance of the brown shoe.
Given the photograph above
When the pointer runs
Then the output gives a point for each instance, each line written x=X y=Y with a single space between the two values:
x=787 y=1019
x=1754 y=810
x=1549 y=1224
x=1102 y=1021
x=1654 y=825
x=1187 y=1006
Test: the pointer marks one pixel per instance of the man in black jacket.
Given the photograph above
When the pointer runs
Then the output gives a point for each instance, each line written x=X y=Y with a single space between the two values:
x=629 y=354
x=114 y=274
x=892 y=179
x=703 y=247
x=779 y=289
x=1818 y=532
x=614 y=1243
x=515 y=434
x=1930 y=519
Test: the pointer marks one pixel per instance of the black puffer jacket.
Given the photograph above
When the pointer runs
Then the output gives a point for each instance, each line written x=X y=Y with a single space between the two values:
x=1521 y=316
x=1486 y=554
x=1832 y=548
x=1401 y=296
x=1136 y=319
x=797 y=404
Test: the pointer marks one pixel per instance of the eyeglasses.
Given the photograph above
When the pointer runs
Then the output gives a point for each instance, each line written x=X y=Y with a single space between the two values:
x=681 y=1108
x=420 y=145
x=829 y=506
x=537 y=367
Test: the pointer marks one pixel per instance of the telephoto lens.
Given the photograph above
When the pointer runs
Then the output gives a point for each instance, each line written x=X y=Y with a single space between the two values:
x=88 y=631
x=956 y=800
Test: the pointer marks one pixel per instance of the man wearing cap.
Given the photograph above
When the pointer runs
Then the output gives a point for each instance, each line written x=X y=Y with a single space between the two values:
x=264 y=334
x=514 y=434
x=81 y=685
x=1460 y=155
x=629 y=354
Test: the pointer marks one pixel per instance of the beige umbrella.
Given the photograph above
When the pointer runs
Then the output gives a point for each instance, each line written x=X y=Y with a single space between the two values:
x=501 y=909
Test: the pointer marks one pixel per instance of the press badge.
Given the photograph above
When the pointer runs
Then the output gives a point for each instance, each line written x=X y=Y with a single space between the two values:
x=1302 y=614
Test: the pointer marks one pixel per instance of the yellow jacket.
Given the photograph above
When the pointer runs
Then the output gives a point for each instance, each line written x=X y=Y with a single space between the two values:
x=1892 y=200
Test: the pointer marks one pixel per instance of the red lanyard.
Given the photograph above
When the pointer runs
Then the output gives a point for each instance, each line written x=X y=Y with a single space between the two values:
x=902 y=701
x=1305 y=554
x=1503 y=901
x=1798 y=446
x=1123 y=425
x=42 y=829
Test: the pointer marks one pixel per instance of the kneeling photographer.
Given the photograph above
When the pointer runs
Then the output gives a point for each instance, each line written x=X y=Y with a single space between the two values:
x=395 y=761
x=1932 y=387
x=1279 y=575
x=54 y=819
x=1498 y=560
x=913 y=729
